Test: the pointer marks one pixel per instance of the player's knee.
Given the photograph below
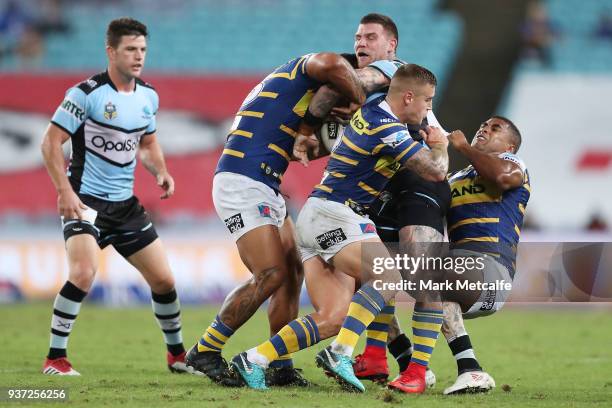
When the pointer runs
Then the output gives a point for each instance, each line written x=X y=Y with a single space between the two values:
x=163 y=284
x=82 y=275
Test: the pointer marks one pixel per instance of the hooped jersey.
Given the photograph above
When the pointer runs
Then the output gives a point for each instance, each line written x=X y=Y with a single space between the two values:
x=373 y=147
x=484 y=218
x=260 y=142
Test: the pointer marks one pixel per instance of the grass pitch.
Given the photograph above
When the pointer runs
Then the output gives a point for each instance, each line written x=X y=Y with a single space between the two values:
x=553 y=357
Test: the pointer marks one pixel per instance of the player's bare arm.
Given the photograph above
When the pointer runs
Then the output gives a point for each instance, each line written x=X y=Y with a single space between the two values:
x=332 y=69
x=372 y=79
x=152 y=158
x=68 y=203
x=506 y=174
x=431 y=164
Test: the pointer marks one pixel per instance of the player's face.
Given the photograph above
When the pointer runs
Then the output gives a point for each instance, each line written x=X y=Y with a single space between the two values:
x=493 y=136
x=129 y=56
x=373 y=43
x=418 y=104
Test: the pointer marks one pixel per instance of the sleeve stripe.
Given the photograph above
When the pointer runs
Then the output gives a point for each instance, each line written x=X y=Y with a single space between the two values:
x=402 y=154
x=63 y=128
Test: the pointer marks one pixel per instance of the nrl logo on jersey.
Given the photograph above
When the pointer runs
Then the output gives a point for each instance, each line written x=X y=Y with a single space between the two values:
x=396 y=138
x=110 y=111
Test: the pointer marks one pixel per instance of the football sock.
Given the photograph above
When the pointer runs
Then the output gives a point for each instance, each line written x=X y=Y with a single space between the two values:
x=65 y=311
x=167 y=311
x=215 y=337
x=299 y=334
x=426 y=325
x=377 y=332
x=461 y=348
x=366 y=303
x=401 y=349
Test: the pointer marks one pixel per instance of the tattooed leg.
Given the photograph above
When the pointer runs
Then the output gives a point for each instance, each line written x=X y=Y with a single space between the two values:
x=453 y=326
x=262 y=252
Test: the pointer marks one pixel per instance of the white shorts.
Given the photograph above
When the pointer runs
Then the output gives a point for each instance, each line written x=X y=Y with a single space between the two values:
x=325 y=227
x=245 y=204
x=490 y=301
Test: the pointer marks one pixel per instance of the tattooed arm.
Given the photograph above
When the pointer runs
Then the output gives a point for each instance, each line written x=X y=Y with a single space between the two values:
x=332 y=69
x=372 y=79
x=431 y=164
x=452 y=326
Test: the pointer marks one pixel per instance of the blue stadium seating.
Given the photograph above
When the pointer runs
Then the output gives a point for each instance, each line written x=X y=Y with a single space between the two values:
x=577 y=50
x=244 y=37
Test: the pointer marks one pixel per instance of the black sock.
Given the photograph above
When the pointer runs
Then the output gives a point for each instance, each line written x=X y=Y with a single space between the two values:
x=461 y=348
x=401 y=349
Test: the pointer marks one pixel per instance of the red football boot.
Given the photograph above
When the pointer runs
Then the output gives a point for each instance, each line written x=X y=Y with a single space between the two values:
x=411 y=380
x=58 y=366
x=176 y=364
x=372 y=365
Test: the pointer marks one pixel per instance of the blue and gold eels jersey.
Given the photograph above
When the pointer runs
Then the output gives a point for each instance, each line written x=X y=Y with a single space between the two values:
x=484 y=218
x=105 y=127
x=260 y=142
x=372 y=149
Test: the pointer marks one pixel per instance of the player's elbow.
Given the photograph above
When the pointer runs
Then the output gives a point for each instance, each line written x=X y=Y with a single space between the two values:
x=507 y=182
x=45 y=146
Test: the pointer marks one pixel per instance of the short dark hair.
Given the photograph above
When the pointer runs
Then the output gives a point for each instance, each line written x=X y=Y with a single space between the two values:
x=517 y=139
x=416 y=72
x=385 y=21
x=123 y=26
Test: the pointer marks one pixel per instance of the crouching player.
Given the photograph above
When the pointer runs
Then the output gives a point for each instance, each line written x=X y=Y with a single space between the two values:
x=484 y=220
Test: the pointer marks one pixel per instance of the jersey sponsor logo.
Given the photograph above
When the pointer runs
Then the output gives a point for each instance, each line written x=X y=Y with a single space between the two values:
x=91 y=83
x=489 y=300
x=368 y=228
x=387 y=120
x=73 y=109
x=265 y=211
x=330 y=238
x=108 y=145
x=110 y=111
x=234 y=223
x=396 y=138
x=358 y=123
x=469 y=189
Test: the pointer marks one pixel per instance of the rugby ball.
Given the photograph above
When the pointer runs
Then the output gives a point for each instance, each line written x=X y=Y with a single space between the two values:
x=330 y=134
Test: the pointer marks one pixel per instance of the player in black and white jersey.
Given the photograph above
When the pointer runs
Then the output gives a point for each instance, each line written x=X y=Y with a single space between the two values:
x=109 y=118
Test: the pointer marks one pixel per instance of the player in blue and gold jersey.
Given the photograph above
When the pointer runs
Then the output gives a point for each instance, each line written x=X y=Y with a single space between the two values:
x=484 y=221
x=332 y=225
x=488 y=203
x=247 y=198
x=109 y=118
x=415 y=213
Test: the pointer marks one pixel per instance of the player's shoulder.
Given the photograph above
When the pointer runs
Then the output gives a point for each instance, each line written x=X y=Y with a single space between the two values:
x=94 y=82
x=146 y=84
x=387 y=67
x=379 y=112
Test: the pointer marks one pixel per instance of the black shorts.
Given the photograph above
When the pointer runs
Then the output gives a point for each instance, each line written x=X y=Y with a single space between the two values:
x=409 y=199
x=123 y=224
